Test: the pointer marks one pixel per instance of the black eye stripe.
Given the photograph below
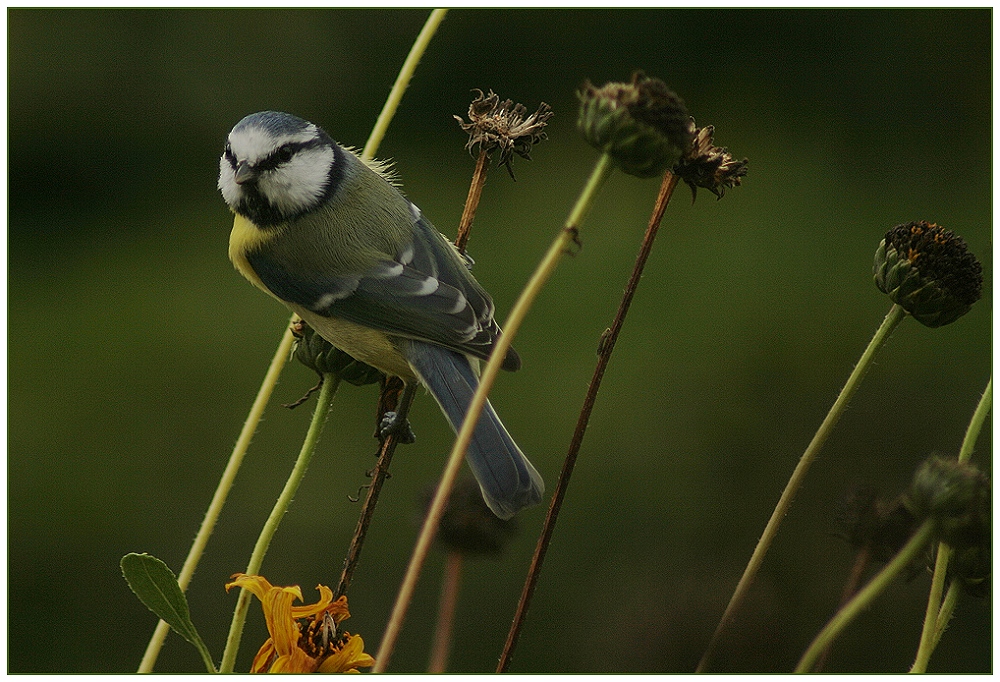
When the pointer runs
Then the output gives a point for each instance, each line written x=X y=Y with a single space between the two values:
x=284 y=154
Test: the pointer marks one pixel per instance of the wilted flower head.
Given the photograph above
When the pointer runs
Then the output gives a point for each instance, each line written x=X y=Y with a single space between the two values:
x=708 y=166
x=502 y=126
x=929 y=271
x=304 y=639
x=643 y=125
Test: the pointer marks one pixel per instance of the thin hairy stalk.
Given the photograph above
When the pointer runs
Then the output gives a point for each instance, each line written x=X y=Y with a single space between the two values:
x=891 y=321
x=926 y=647
x=221 y=493
x=976 y=423
x=402 y=81
x=281 y=354
x=323 y=404
x=930 y=635
x=567 y=236
x=605 y=349
x=379 y=475
x=472 y=201
x=910 y=551
x=947 y=611
x=450 y=581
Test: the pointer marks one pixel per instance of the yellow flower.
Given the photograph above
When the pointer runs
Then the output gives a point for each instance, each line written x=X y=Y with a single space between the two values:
x=313 y=645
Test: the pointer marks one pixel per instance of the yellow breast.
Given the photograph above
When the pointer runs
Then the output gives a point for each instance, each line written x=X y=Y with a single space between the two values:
x=244 y=238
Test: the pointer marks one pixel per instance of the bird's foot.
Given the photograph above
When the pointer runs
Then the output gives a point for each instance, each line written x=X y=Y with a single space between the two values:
x=392 y=425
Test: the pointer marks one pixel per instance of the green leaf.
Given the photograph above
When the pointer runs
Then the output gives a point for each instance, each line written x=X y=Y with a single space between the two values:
x=156 y=586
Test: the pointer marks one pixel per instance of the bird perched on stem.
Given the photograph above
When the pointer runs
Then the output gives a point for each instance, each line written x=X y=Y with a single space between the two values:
x=331 y=238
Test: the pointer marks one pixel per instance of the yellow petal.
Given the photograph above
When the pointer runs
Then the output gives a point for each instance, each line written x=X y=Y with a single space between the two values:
x=325 y=597
x=348 y=659
x=262 y=661
x=297 y=661
x=256 y=584
x=277 y=604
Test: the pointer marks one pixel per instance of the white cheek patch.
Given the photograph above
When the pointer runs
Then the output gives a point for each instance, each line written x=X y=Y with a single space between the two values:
x=298 y=185
x=227 y=182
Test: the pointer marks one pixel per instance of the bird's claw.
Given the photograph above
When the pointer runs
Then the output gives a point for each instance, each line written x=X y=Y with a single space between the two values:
x=392 y=425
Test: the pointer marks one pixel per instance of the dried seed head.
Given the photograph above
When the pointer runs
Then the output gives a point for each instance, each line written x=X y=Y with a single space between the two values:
x=708 y=166
x=502 y=127
x=929 y=271
x=643 y=125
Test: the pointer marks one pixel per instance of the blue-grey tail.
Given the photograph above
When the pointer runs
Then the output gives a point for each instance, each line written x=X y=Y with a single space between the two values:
x=507 y=479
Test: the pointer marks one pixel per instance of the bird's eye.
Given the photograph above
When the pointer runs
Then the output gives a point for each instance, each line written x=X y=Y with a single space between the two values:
x=229 y=155
x=284 y=154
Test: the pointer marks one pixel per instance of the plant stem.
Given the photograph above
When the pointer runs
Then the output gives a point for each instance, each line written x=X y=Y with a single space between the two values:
x=926 y=647
x=566 y=236
x=221 y=492
x=947 y=609
x=323 y=405
x=378 y=478
x=976 y=423
x=936 y=617
x=450 y=582
x=891 y=321
x=607 y=346
x=472 y=201
x=913 y=547
x=402 y=81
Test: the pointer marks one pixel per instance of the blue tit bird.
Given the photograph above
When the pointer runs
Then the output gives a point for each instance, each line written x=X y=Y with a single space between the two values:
x=331 y=238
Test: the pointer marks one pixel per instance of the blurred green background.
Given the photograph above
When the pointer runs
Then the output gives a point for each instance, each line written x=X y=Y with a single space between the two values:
x=143 y=348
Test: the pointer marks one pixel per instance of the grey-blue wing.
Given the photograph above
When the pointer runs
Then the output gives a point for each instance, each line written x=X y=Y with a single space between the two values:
x=426 y=293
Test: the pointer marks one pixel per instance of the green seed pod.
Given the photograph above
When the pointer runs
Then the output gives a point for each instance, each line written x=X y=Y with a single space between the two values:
x=319 y=355
x=956 y=496
x=643 y=125
x=929 y=271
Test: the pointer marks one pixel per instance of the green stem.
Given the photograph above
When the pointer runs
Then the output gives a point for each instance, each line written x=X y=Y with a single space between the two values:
x=976 y=423
x=221 y=492
x=910 y=551
x=947 y=609
x=323 y=404
x=567 y=235
x=402 y=81
x=935 y=614
x=926 y=647
x=891 y=321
